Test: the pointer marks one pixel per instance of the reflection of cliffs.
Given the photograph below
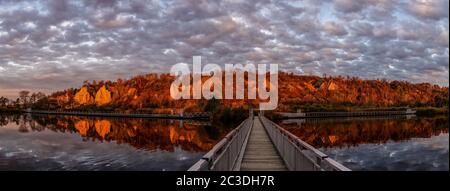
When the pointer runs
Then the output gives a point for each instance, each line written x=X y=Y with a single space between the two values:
x=352 y=133
x=178 y=136
x=140 y=133
x=102 y=127
x=82 y=126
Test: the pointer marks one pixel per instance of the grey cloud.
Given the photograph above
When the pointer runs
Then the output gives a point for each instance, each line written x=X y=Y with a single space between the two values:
x=59 y=44
x=335 y=28
x=349 y=5
x=435 y=10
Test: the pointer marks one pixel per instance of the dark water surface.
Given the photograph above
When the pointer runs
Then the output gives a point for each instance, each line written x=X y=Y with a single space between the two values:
x=43 y=142
x=79 y=143
x=379 y=143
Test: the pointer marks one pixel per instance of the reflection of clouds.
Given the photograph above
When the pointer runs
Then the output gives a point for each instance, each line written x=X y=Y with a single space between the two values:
x=438 y=142
x=416 y=154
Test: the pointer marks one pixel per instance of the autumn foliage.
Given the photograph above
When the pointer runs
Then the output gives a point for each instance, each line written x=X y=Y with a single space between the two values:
x=152 y=92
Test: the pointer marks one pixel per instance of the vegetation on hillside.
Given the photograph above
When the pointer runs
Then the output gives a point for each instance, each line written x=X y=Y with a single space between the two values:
x=151 y=93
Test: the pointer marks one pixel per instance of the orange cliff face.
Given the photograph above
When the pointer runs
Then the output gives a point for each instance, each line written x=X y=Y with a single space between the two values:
x=83 y=97
x=103 y=96
x=151 y=91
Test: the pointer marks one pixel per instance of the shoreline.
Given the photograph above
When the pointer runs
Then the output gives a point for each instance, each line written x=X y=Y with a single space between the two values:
x=419 y=112
x=125 y=115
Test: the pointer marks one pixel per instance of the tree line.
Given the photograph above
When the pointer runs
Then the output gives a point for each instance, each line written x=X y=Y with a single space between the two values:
x=25 y=99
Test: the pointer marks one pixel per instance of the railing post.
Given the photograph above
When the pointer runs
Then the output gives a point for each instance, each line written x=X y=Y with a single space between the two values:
x=287 y=144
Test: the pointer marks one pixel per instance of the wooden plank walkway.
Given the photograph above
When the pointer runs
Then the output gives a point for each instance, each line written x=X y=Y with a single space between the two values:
x=260 y=153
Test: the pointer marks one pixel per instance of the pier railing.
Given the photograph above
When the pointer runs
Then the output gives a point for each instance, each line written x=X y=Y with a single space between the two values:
x=347 y=113
x=195 y=115
x=357 y=113
x=297 y=154
x=225 y=154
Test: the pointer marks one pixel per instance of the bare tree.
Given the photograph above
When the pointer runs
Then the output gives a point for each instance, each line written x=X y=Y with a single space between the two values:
x=3 y=101
x=23 y=96
x=40 y=95
x=33 y=98
x=16 y=104
x=36 y=97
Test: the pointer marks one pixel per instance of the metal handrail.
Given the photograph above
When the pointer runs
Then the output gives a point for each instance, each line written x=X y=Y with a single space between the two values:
x=358 y=113
x=297 y=154
x=121 y=114
x=224 y=155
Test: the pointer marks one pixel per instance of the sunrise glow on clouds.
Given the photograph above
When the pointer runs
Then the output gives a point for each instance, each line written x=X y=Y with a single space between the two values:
x=54 y=45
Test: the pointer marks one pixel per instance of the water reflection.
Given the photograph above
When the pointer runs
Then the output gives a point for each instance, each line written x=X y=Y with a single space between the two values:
x=379 y=143
x=140 y=133
x=42 y=142
x=339 y=132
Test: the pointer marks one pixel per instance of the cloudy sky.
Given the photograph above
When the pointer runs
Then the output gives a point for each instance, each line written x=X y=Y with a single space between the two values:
x=50 y=45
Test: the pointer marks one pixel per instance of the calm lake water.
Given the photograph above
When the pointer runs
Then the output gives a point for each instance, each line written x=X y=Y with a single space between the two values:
x=42 y=142
x=398 y=144
x=80 y=143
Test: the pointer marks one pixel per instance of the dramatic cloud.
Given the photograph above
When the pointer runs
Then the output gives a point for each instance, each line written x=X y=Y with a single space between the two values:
x=429 y=9
x=50 y=45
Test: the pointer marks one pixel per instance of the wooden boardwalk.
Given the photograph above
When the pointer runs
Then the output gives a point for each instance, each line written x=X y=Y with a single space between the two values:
x=260 y=153
x=249 y=147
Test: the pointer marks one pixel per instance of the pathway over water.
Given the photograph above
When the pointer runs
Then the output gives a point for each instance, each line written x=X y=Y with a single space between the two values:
x=260 y=154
